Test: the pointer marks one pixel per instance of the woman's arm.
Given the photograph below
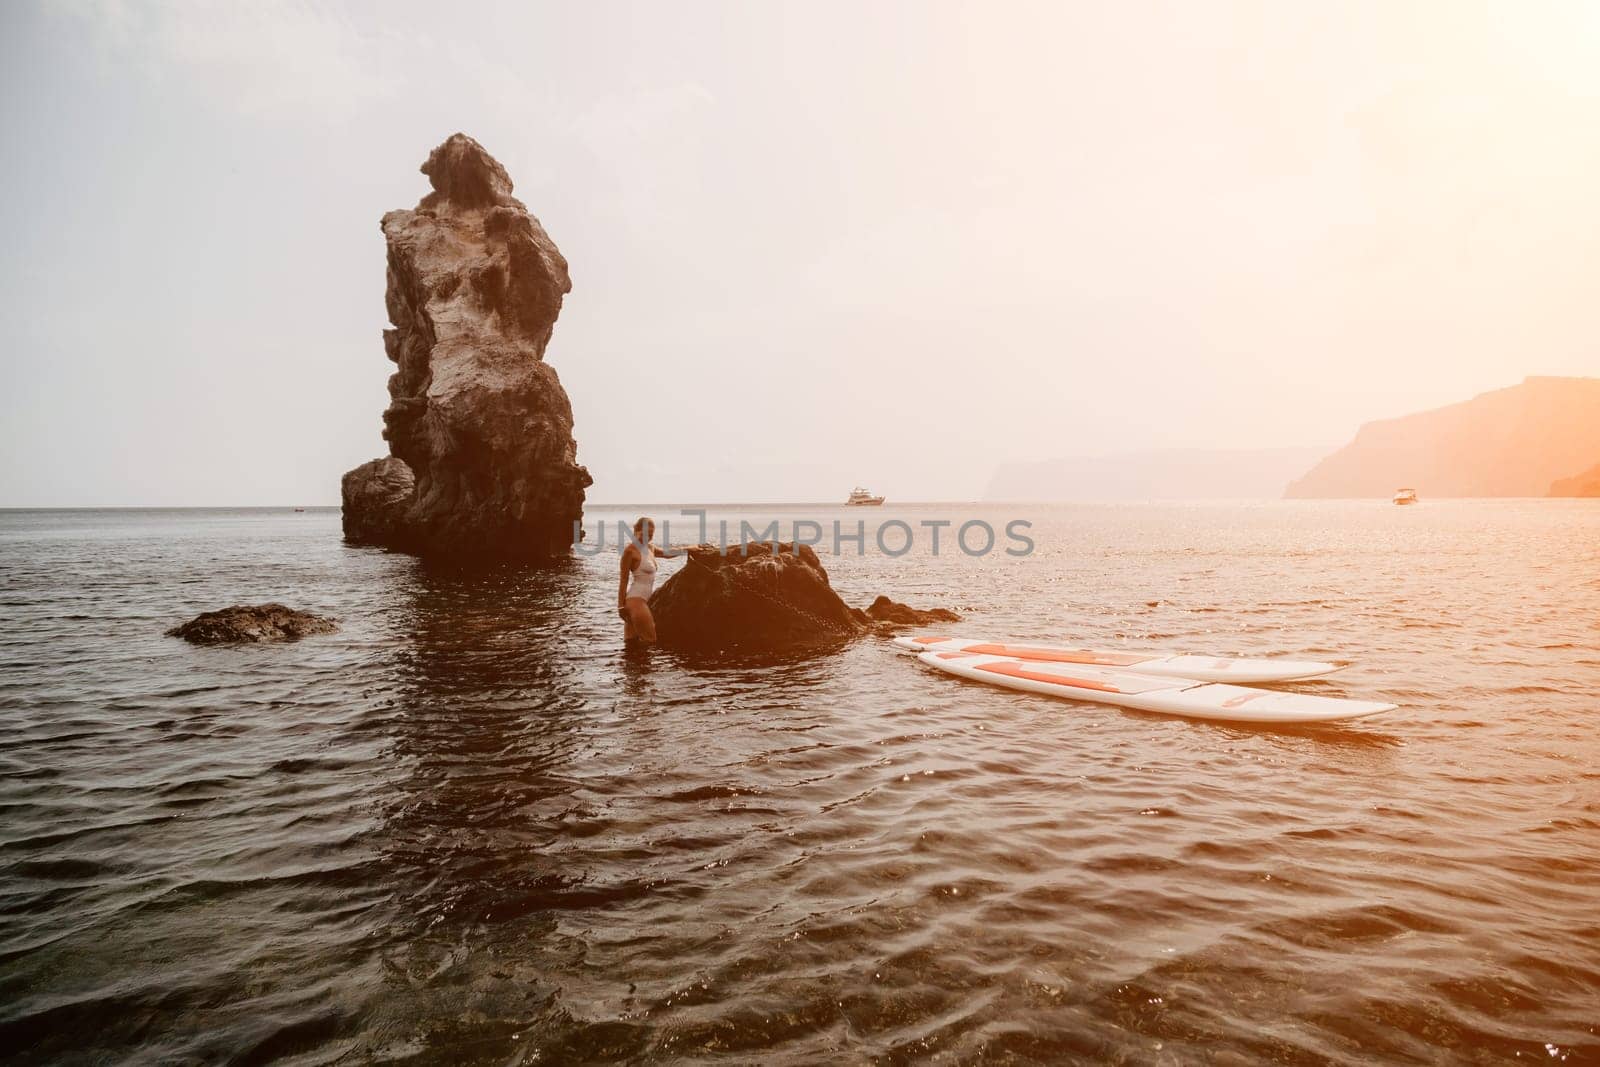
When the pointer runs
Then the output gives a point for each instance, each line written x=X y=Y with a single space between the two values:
x=622 y=584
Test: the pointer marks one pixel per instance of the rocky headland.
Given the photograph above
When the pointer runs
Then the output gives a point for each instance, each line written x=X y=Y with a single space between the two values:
x=1585 y=484
x=1509 y=442
x=482 y=463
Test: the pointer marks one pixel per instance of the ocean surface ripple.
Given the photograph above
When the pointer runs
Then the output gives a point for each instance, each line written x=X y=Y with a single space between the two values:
x=468 y=828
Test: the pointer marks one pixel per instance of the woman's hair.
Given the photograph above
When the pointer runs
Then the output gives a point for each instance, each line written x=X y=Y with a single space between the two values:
x=638 y=527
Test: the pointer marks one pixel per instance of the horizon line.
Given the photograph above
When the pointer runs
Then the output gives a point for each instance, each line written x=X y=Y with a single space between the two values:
x=647 y=505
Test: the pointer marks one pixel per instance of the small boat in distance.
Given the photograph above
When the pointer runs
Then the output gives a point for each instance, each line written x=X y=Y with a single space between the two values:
x=1405 y=496
x=299 y=509
x=860 y=498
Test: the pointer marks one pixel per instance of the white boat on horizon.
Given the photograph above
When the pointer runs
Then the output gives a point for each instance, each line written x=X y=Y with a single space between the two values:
x=860 y=498
x=1405 y=496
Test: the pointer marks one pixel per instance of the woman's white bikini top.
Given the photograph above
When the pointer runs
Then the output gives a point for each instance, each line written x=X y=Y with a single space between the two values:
x=643 y=579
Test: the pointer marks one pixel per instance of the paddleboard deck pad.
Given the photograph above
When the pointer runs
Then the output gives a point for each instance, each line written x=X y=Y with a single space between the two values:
x=1146 y=692
x=1161 y=664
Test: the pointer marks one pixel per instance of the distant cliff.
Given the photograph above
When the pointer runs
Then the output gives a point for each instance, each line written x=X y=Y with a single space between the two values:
x=1585 y=484
x=1511 y=442
x=1175 y=474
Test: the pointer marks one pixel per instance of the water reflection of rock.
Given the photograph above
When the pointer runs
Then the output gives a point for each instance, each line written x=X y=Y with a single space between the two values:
x=489 y=736
x=558 y=831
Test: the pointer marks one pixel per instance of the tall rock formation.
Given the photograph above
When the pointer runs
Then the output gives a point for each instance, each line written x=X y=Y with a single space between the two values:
x=477 y=422
x=1511 y=442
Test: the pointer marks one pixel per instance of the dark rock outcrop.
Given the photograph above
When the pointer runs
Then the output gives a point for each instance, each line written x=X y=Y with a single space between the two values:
x=376 y=496
x=764 y=601
x=760 y=601
x=243 y=624
x=892 y=613
x=475 y=413
x=1585 y=484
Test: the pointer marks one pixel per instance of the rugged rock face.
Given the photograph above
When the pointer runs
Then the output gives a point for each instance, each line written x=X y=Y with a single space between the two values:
x=1585 y=484
x=765 y=602
x=481 y=421
x=376 y=496
x=244 y=624
x=758 y=601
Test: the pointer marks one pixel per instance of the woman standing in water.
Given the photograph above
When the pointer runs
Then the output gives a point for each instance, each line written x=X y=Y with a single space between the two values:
x=637 y=582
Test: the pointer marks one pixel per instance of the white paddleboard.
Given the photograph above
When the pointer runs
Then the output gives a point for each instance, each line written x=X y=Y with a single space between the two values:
x=1163 y=664
x=1144 y=692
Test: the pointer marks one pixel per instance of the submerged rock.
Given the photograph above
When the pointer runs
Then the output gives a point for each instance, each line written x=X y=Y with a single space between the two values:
x=476 y=416
x=764 y=601
x=243 y=623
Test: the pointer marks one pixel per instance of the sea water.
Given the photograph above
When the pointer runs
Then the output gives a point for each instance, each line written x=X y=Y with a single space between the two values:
x=467 y=828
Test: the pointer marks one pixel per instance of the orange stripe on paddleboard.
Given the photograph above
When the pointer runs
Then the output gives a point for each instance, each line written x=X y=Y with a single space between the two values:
x=1017 y=670
x=1239 y=702
x=1049 y=655
x=929 y=640
x=953 y=655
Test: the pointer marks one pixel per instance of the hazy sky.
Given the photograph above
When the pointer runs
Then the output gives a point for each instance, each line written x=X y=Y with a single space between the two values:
x=812 y=244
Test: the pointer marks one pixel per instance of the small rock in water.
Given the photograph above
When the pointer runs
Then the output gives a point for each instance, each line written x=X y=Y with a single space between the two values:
x=884 y=610
x=245 y=623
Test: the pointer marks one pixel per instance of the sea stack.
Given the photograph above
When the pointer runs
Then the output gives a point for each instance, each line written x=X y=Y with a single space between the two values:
x=483 y=464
